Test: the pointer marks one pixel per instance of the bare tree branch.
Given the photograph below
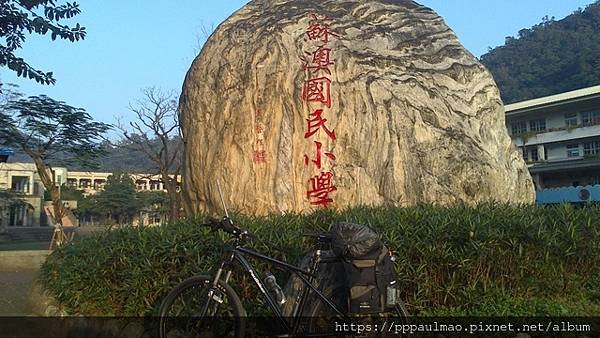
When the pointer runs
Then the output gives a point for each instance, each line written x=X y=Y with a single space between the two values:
x=155 y=132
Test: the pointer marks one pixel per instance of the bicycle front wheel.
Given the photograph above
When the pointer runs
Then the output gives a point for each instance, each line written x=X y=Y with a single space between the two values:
x=195 y=308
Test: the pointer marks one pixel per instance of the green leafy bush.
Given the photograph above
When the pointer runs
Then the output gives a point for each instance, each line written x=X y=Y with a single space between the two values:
x=488 y=259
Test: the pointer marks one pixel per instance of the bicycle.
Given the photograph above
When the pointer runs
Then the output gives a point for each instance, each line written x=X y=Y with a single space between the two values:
x=216 y=299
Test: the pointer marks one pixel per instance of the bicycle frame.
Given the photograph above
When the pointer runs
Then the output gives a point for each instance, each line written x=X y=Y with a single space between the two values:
x=239 y=253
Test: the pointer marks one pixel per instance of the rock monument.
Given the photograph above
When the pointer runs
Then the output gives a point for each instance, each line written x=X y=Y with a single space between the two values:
x=301 y=104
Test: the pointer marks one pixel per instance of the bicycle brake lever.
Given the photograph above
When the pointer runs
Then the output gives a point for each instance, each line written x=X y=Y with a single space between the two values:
x=248 y=235
x=212 y=223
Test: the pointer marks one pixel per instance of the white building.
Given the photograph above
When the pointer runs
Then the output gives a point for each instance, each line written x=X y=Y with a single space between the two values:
x=23 y=179
x=559 y=136
x=91 y=181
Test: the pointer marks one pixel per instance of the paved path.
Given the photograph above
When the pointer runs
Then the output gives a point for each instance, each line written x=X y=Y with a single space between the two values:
x=15 y=290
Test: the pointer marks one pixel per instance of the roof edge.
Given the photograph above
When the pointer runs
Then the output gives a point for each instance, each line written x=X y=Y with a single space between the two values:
x=546 y=100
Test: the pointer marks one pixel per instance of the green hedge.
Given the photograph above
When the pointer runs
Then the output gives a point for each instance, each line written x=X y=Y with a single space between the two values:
x=485 y=260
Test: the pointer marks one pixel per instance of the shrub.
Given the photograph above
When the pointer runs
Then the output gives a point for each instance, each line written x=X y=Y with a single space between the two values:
x=488 y=259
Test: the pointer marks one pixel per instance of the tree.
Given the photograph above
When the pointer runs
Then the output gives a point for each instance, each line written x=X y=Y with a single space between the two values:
x=87 y=206
x=154 y=202
x=549 y=58
x=156 y=134
x=42 y=127
x=68 y=193
x=119 y=199
x=18 y=17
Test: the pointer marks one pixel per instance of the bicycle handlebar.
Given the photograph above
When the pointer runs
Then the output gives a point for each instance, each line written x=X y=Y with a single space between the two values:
x=226 y=225
x=319 y=237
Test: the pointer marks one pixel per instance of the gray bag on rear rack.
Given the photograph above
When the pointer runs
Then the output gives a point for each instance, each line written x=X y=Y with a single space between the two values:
x=353 y=240
x=370 y=274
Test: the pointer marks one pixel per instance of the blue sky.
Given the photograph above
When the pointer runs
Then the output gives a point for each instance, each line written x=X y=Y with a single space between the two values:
x=134 y=44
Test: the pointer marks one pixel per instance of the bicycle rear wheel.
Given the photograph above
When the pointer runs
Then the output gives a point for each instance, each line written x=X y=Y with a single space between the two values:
x=195 y=309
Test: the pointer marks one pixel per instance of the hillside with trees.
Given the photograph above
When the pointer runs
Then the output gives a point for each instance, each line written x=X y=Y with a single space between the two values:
x=118 y=156
x=549 y=58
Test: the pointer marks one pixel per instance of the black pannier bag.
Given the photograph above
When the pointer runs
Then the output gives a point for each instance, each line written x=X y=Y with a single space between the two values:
x=370 y=274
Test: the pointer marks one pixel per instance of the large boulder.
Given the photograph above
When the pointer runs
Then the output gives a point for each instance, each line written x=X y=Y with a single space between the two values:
x=411 y=116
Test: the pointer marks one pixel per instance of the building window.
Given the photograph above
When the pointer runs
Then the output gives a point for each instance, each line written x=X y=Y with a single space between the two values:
x=573 y=150
x=20 y=184
x=534 y=155
x=99 y=184
x=590 y=118
x=591 y=148
x=537 y=125
x=72 y=182
x=571 y=120
x=141 y=185
x=594 y=180
x=518 y=127
x=155 y=185
x=85 y=183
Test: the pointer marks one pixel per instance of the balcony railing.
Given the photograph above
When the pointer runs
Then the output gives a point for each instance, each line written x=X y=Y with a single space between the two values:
x=556 y=135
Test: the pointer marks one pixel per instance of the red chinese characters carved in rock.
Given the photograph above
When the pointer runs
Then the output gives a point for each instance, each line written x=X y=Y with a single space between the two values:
x=316 y=122
x=259 y=153
x=317 y=160
x=317 y=90
x=319 y=29
x=321 y=60
x=321 y=187
x=260 y=156
x=259 y=129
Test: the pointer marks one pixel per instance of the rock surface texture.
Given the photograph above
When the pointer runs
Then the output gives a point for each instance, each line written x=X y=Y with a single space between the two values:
x=412 y=118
